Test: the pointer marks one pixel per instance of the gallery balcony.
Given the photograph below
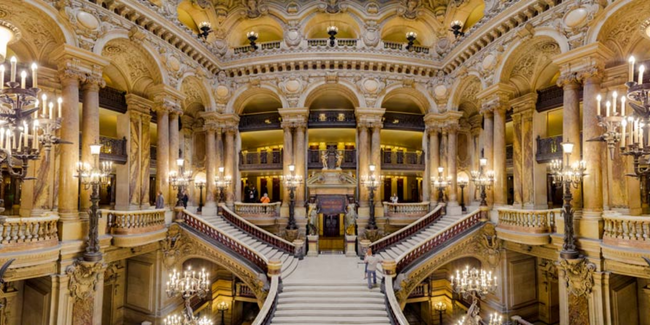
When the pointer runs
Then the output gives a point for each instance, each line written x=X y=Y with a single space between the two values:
x=402 y=160
x=402 y=214
x=262 y=160
x=259 y=214
x=529 y=227
x=134 y=228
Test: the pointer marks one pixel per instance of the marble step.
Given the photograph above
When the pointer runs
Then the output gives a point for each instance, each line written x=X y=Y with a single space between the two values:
x=335 y=295
x=316 y=311
x=348 y=301
x=330 y=320
x=290 y=306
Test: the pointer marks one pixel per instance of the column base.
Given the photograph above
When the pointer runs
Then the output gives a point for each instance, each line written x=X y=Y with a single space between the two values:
x=313 y=246
x=454 y=210
x=209 y=209
x=350 y=243
x=591 y=224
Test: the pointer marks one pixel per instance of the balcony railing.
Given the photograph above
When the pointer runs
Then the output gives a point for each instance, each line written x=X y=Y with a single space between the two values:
x=399 y=121
x=392 y=160
x=258 y=122
x=388 y=45
x=339 y=42
x=265 y=46
x=627 y=232
x=332 y=119
x=548 y=149
x=112 y=99
x=531 y=227
x=509 y=155
x=133 y=222
x=401 y=214
x=260 y=214
x=421 y=290
x=314 y=160
x=263 y=160
x=113 y=150
x=242 y=290
x=18 y=234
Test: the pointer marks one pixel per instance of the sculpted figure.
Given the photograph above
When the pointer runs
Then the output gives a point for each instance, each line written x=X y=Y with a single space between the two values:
x=312 y=214
x=350 y=217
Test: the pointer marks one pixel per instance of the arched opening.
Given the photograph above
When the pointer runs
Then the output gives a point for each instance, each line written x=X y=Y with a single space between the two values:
x=317 y=26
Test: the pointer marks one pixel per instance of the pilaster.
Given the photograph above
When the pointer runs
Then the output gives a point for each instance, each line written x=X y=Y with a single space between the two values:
x=523 y=154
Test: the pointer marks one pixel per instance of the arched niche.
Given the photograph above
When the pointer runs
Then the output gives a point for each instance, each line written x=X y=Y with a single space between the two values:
x=316 y=27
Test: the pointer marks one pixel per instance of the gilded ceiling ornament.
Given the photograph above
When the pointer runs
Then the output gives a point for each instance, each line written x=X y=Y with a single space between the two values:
x=254 y=8
x=409 y=8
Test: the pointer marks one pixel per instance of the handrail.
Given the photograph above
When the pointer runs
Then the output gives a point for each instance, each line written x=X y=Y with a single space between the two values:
x=197 y=223
x=270 y=304
x=520 y=321
x=437 y=239
x=626 y=231
x=257 y=232
x=133 y=222
x=258 y=209
x=407 y=231
x=28 y=233
x=531 y=221
x=396 y=209
x=392 y=305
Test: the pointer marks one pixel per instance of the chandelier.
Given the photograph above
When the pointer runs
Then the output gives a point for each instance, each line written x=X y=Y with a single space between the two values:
x=221 y=182
x=441 y=183
x=188 y=284
x=25 y=128
x=473 y=284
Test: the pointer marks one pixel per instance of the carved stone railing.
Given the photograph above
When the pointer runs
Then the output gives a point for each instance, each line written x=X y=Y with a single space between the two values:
x=265 y=46
x=531 y=227
x=331 y=119
x=258 y=233
x=314 y=159
x=400 y=121
x=242 y=290
x=468 y=222
x=392 y=305
x=548 y=149
x=627 y=231
x=392 y=160
x=421 y=290
x=258 y=122
x=517 y=320
x=400 y=214
x=133 y=222
x=261 y=214
x=267 y=311
x=397 y=46
x=325 y=42
x=407 y=232
x=263 y=160
x=241 y=249
x=17 y=234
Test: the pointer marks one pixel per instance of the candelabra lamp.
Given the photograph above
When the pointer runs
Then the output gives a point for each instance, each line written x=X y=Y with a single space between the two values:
x=495 y=319
x=410 y=37
x=462 y=183
x=371 y=182
x=475 y=284
x=200 y=184
x=483 y=179
x=178 y=320
x=180 y=180
x=92 y=175
x=291 y=182
x=567 y=176
x=456 y=27
x=222 y=307
x=440 y=183
x=440 y=307
x=252 y=37
x=221 y=182
x=204 y=30
x=188 y=284
x=25 y=128
x=332 y=31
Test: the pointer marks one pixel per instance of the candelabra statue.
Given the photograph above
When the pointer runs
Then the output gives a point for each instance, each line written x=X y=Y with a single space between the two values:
x=180 y=180
x=462 y=183
x=200 y=184
x=371 y=182
x=222 y=307
x=332 y=31
x=483 y=179
x=440 y=307
x=291 y=182
x=221 y=182
x=92 y=176
x=567 y=176
x=440 y=183
x=495 y=319
x=188 y=284
x=473 y=284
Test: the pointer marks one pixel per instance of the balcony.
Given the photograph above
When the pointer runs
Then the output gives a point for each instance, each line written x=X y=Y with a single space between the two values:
x=135 y=228
x=402 y=214
x=21 y=234
x=332 y=119
x=529 y=227
x=349 y=159
x=112 y=149
x=259 y=214
x=509 y=155
x=548 y=149
x=408 y=122
x=263 y=160
x=388 y=45
x=625 y=239
x=402 y=160
x=325 y=42
x=259 y=122
x=265 y=46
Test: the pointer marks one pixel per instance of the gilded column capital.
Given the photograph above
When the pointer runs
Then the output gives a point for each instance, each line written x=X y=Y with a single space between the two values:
x=583 y=63
x=139 y=105
x=568 y=80
x=523 y=104
x=451 y=128
x=369 y=117
x=77 y=65
x=93 y=82
x=294 y=117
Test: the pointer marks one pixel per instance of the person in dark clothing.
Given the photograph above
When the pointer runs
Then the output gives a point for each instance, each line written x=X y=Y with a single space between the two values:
x=247 y=190
x=185 y=199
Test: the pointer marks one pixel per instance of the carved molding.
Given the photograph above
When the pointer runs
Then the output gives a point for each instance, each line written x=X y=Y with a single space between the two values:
x=83 y=279
x=579 y=275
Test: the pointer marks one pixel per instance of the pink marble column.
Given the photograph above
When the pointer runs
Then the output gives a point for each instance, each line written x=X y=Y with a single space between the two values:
x=592 y=153
x=89 y=130
x=571 y=127
x=488 y=144
x=210 y=165
x=375 y=158
x=517 y=157
x=69 y=153
x=434 y=149
x=363 y=155
x=427 y=166
x=287 y=159
x=174 y=140
x=145 y=160
x=452 y=147
x=500 y=176
x=229 y=168
x=299 y=159
x=162 y=154
x=528 y=158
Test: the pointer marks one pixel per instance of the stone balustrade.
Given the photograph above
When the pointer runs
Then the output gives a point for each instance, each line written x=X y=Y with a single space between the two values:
x=401 y=214
x=531 y=227
x=626 y=231
x=408 y=231
x=19 y=234
x=260 y=214
x=133 y=222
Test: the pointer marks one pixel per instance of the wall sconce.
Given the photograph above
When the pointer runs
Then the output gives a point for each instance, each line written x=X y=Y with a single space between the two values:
x=205 y=30
x=332 y=31
x=252 y=37
x=456 y=27
x=410 y=37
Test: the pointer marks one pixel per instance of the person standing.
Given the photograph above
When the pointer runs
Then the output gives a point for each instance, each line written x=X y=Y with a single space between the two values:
x=160 y=201
x=371 y=261
x=255 y=194
x=265 y=199
x=185 y=199
x=247 y=190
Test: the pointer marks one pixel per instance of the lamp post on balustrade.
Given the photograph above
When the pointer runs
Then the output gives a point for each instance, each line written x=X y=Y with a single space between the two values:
x=180 y=180
x=483 y=179
x=222 y=307
x=440 y=183
x=440 y=307
x=462 y=183
x=200 y=184
x=292 y=181
x=221 y=182
x=92 y=176
x=371 y=182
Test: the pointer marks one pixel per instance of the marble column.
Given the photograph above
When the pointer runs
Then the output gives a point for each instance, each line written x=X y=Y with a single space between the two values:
x=162 y=154
x=174 y=141
x=210 y=165
x=571 y=127
x=287 y=159
x=375 y=159
x=476 y=155
x=229 y=168
x=517 y=157
x=69 y=153
x=499 y=150
x=220 y=152
x=89 y=130
x=452 y=148
x=434 y=149
x=427 y=166
x=488 y=144
x=592 y=155
x=364 y=162
x=299 y=160
x=444 y=151
x=528 y=159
